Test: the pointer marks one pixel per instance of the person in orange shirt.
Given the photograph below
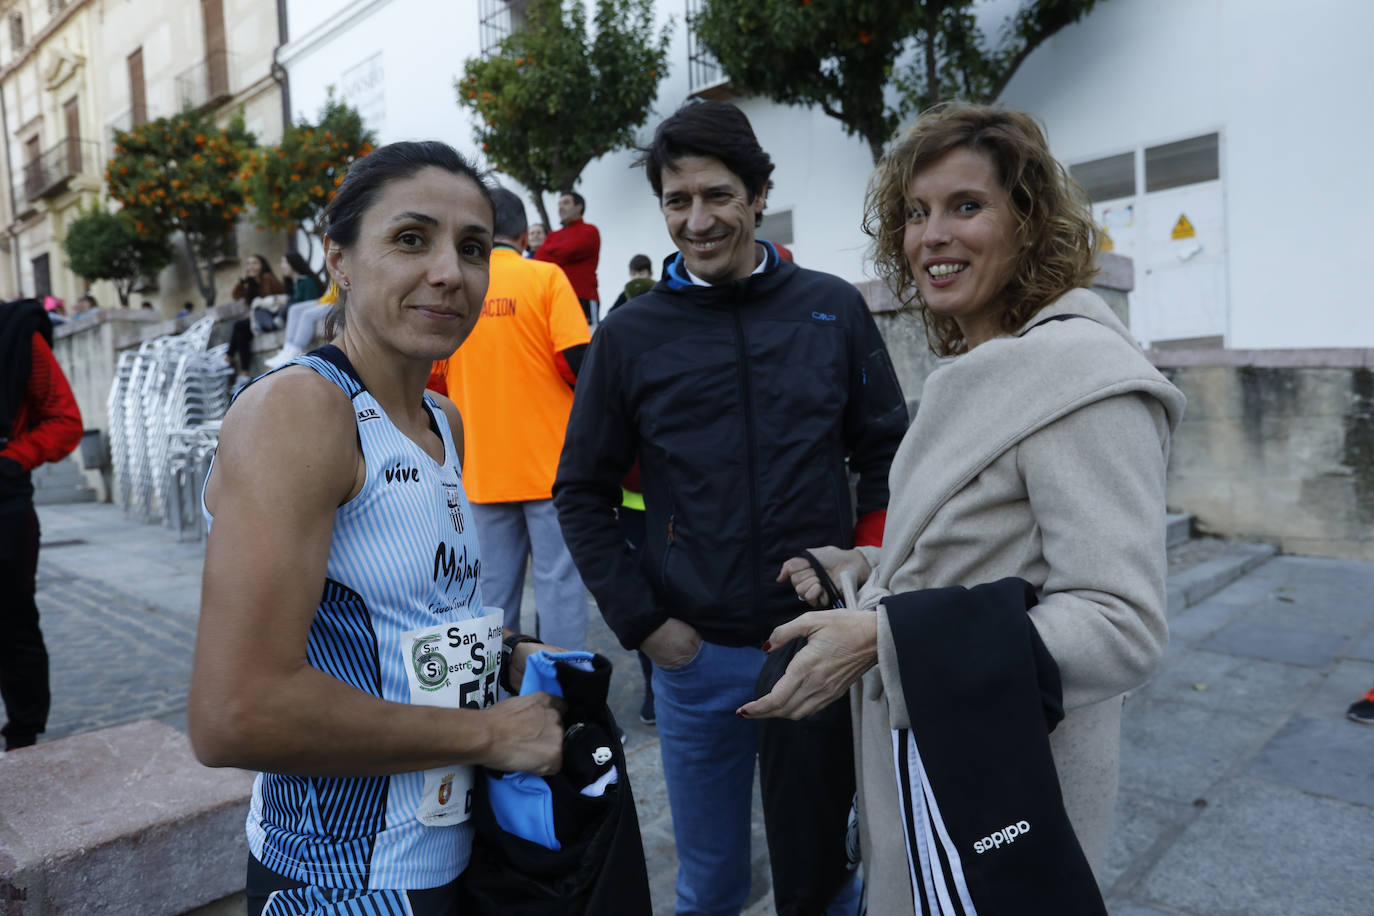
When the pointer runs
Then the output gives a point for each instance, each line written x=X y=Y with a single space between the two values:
x=512 y=381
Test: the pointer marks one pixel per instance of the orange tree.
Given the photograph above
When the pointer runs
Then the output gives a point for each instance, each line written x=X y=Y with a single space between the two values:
x=551 y=98
x=180 y=175
x=290 y=183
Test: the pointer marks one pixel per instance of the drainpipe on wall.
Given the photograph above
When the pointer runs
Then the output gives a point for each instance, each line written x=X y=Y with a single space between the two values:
x=14 y=210
x=280 y=77
x=278 y=71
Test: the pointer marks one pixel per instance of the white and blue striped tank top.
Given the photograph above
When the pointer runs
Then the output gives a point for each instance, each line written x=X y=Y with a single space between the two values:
x=404 y=556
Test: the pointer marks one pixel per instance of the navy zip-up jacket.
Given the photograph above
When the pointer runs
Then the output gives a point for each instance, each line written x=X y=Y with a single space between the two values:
x=742 y=402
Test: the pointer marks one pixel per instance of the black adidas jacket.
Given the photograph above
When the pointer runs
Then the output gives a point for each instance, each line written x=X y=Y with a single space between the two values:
x=983 y=694
x=742 y=402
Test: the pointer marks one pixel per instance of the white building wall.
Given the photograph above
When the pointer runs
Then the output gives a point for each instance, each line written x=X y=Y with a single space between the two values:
x=820 y=172
x=1287 y=86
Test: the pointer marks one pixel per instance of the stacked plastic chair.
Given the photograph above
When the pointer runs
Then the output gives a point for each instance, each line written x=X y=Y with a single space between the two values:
x=164 y=411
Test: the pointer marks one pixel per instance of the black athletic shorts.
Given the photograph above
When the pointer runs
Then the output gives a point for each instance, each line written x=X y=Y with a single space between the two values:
x=270 y=894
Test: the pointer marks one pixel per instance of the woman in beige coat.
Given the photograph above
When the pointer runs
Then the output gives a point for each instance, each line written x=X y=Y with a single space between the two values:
x=1038 y=452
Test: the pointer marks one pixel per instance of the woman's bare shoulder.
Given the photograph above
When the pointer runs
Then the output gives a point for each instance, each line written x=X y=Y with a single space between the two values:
x=292 y=424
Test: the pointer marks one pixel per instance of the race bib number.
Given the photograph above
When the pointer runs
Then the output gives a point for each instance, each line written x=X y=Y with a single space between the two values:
x=452 y=665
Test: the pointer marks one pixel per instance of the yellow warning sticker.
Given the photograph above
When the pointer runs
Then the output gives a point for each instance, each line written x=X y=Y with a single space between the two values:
x=1183 y=229
x=1107 y=243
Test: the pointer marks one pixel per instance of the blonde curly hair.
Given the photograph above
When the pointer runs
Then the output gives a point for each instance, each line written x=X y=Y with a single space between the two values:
x=1056 y=236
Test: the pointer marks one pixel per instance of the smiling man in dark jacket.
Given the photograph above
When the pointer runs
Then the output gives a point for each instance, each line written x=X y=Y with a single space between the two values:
x=743 y=384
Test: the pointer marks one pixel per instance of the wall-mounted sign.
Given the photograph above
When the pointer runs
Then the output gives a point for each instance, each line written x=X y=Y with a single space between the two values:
x=363 y=86
x=1183 y=229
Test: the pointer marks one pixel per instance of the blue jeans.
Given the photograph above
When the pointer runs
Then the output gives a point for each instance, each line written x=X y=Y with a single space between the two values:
x=508 y=533
x=708 y=765
x=301 y=321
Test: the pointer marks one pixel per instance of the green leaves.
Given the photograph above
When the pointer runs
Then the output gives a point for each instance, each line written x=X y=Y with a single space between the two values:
x=290 y=183
x=833 y=54
x=848 y=56
x=552 y=97
x=105 y=246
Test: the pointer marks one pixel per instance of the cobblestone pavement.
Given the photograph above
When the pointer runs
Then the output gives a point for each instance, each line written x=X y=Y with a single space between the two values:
x=1244 y=790
x=114 y=658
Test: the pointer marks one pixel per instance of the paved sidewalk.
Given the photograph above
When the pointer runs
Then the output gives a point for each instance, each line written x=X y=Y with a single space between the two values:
x=1244 y=790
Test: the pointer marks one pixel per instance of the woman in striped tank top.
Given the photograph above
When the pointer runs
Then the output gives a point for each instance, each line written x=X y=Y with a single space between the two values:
x=344 y=651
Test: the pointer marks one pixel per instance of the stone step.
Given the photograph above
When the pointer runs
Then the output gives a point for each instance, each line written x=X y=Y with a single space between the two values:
x=60 y=482
x=1177 y=528
x=1200 y=568
x=122 y=820
x=49 y=496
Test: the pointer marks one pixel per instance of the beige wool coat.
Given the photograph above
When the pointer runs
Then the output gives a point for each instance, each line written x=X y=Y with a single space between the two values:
x=1039 y=456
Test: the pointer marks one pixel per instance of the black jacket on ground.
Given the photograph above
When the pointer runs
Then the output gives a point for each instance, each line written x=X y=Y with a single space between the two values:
x=743 y=402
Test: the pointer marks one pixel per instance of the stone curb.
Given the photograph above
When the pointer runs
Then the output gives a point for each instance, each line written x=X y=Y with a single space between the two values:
x=119 y=821
x=1191 y=586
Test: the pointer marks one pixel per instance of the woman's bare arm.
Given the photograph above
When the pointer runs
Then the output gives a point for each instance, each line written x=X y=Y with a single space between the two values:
x=288 y=458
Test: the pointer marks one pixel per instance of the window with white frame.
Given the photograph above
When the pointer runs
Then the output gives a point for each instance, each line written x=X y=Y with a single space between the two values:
x=703 y=70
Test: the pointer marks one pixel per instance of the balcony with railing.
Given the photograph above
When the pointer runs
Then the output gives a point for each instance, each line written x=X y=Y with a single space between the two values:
x=126 y=121
x=50 y=173
x=705 y=78
x=208 y=83
x=498 y=18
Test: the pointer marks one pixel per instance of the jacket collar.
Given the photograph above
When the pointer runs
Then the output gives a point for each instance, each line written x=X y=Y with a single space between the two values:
x=676 y=278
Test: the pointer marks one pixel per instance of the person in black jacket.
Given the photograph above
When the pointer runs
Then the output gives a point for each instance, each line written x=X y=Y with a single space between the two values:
x=39 y=422
x=744 y=384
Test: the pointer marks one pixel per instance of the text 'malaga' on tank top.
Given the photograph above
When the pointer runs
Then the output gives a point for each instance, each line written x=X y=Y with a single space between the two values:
x=401 y=618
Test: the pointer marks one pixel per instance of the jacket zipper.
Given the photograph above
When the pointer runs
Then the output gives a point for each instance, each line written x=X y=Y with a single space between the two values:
x=668 y=549
x=839 y=481
x=751 y=456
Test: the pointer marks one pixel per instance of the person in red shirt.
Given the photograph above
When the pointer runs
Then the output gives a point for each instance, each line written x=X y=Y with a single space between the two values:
x=39 y=422
x=576 y=248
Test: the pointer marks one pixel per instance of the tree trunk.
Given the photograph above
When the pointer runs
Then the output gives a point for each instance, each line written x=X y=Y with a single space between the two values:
x=875 y=148
x=205 y=279
x=932 y=71
x=537 y=196
x=309 y=253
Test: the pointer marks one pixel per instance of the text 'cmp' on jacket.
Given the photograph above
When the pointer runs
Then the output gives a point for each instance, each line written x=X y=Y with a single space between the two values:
x=743 y=402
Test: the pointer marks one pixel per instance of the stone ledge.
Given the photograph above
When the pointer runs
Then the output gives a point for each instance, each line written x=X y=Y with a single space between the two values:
x=1310 y=358
x=119 y=821
x=1193 y=585
x=1114 y=272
